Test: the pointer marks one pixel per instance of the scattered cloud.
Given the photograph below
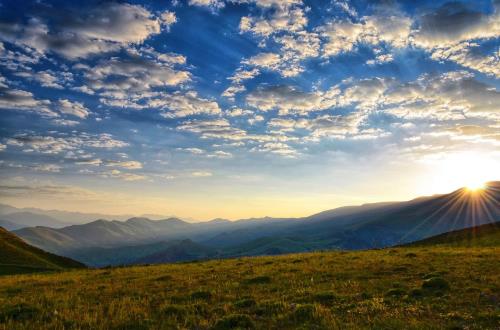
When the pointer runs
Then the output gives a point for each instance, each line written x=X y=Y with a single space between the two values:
x=213 y=4
x=47 y=168
x=86 y=30
x=57 y=144
x=180 y=104
x=289 y=99
x=128 y=164
x=76 y=109
x=201 y=174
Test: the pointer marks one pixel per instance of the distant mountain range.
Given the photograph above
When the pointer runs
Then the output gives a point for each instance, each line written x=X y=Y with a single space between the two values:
x=18 y=257
x=19 y=220
x=141 y=240
x=13 y=218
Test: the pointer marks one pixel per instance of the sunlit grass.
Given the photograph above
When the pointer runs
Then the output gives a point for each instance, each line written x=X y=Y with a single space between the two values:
x=411 y=288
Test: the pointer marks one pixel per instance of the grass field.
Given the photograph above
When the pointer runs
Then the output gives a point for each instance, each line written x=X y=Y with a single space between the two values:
x=406 y=287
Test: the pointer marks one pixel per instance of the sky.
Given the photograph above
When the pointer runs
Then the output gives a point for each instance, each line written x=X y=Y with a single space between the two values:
x=245 y=108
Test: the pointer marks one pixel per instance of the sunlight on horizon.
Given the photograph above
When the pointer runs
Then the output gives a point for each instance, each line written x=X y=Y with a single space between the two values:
x=470 y=169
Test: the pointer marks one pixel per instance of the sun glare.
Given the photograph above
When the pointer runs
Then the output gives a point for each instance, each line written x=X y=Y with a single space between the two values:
x=471 y=170
x=474 y=186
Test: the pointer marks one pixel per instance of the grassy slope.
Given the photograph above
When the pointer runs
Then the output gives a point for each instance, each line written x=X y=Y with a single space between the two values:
x=18 y=257
x=485 y=235
x=382 y=289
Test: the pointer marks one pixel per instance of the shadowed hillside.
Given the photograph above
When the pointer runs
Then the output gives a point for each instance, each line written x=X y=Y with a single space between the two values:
x=18 y=257
x=485 y=235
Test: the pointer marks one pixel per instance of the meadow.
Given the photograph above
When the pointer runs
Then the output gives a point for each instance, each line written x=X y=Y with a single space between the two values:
x=406 y=287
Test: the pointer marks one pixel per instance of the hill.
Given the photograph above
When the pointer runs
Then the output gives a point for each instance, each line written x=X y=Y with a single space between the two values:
x=485 y=235
x=161 y=252
x=367 y=226
x=18 y=257
x=398 y=288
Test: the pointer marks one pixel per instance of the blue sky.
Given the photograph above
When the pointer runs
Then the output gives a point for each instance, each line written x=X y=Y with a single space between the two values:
x=208 y=108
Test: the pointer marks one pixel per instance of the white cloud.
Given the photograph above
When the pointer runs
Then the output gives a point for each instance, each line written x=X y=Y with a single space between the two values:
x=464 y=54
x=93 y=162
x=264 y=60
x=194 y=151
x=76 y=109
x=451 y=33
x=201 y=174
x=237 y=80
x=57 y=144
x=135 y=73
x=288 y=99
x=450 y=95
x=213 y=4
x=255 y=119
x=47 y=168
x=392 y=29
x=65 y=122
x=117 y=174
x=286 y=16
x=279 y=148
x=213 y=128
x=238 y=112
x=220 y=154
x=128 y=164
x=180 y=104
x=47 y=78
x=17 y=99
x=168 y=18
x=337 y=126
x=453 y=23
x=88 y=30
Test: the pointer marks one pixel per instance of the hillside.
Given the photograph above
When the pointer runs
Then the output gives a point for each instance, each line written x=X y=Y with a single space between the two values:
x=367 y=226
x=18 y=257
x=397 y=288
x=161 y=252
x=485 y=235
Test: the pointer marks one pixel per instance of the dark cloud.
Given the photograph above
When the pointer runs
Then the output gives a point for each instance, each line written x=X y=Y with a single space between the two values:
x=454 y=21
x=79 y=32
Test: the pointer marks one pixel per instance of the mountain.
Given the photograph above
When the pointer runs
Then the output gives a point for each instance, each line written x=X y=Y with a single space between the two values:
x=183 y=250
x=367 y=226
x=18 y=257
x=29 y=219
x=68 y=217
x=9 y=225
x=485 y=235
x=103 y=233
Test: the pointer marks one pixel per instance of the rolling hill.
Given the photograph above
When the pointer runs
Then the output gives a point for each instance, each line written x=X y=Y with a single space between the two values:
x=18 y=257
x=367 y=226
x=485 y=235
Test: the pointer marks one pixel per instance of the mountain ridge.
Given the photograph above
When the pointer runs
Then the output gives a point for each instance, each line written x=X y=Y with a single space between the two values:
x=367 y=226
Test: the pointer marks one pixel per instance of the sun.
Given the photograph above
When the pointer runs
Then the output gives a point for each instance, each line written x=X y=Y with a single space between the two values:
x=471 y=170
x=475 y=185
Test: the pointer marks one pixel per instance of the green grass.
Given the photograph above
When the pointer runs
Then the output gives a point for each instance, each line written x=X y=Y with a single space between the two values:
x=405 y=287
